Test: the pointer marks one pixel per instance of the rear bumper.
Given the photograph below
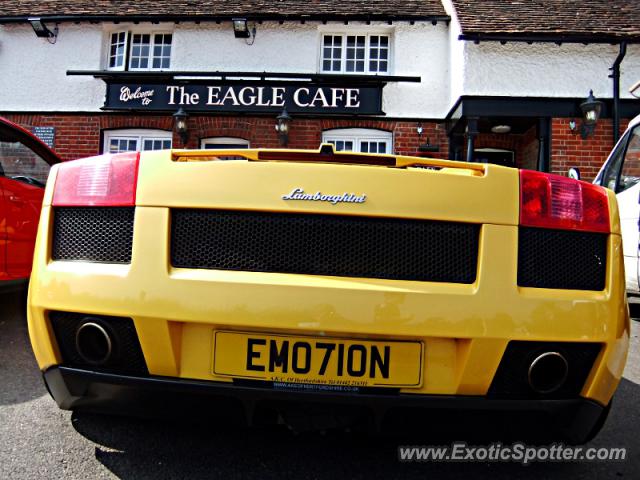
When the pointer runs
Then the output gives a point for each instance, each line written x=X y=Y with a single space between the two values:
x=76 y=389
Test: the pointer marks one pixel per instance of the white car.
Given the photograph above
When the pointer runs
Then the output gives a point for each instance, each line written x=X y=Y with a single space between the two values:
x=621 y=173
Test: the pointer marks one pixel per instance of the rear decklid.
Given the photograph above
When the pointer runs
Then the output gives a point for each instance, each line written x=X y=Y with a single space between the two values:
x=329 y=183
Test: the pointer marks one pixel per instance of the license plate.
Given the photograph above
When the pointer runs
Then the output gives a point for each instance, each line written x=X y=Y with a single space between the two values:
x=318 y=360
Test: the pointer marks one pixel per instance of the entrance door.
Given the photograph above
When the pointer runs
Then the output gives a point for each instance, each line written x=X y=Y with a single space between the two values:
x=497 y=156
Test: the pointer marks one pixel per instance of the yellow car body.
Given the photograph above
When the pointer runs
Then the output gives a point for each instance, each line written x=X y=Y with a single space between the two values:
x=209 y=327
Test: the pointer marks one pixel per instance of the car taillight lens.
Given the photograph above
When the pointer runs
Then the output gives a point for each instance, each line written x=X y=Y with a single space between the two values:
x=106 y=180
x=552 y=201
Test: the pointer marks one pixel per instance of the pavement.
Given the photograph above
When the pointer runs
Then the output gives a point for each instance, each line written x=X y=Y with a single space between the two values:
x=37 y=440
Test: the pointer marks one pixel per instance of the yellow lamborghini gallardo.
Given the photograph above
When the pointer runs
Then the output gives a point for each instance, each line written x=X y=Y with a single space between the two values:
x=253 y=281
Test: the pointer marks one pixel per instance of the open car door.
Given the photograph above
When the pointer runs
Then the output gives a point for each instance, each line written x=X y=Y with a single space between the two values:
x=24 y=167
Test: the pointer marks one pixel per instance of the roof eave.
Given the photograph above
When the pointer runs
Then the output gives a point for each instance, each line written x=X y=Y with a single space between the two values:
x=214 y=18
x=548 y=38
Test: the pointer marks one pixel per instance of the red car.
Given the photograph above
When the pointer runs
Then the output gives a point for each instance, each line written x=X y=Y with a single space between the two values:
x=24 y=166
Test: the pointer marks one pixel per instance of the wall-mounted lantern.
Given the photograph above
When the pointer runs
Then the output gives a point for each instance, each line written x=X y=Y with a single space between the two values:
x=242 y=29
x=591 y=109
x=283 y=122
x=180 y=125
x=42 y=31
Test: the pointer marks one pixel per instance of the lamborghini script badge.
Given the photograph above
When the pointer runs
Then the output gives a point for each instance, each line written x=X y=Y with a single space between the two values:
x=299 y=194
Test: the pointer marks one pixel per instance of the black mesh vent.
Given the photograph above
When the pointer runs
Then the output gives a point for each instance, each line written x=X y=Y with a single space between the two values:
x=127 y=355
x=562 y=259
x=101 y=234
x=325 y=245
x=511 y=379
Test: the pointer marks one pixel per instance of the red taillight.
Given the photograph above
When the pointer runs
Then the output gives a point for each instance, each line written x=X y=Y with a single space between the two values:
x=552 y=201
x=107 y=180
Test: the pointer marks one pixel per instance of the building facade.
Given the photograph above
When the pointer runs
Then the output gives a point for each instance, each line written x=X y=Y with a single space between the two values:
x=412 y=78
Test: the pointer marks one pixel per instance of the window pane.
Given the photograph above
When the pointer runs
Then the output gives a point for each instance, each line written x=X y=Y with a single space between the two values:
x=140 y=51
x=119 y=144
x=156 y=144
x=378 y=53
x=355 y=49
x=630 y=174
x=332 y=53
x=117 y=49
x=18 y=160
x=162 y=50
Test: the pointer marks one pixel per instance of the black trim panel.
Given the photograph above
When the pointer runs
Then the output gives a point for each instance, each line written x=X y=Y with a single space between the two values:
x=75 y=389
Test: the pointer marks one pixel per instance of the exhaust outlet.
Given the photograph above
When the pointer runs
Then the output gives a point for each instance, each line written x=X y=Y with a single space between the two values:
x=548 y=372
x=93 y=343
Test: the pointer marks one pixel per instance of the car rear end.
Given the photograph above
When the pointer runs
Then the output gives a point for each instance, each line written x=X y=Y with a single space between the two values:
x=254 y=281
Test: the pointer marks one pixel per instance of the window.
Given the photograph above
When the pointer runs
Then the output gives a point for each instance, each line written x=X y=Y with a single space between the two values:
x=216 y=143
x=622 y=171
x=117 y=50
x=630 y=174
x=147 y=51
x=343 y=53
x=17 y=160
x=116 y=141
x=359 y=140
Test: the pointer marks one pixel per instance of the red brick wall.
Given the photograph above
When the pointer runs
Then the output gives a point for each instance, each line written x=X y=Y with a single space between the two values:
x=568 y=149
x=79 y=135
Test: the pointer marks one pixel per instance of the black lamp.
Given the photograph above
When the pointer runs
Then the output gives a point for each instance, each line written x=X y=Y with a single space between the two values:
x=240 y=28
x=591 y=109
x=180 y=125
x=282 y=126
x=41 y=29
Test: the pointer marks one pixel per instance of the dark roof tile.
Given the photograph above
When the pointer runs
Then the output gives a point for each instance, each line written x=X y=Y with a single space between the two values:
x=571 y=18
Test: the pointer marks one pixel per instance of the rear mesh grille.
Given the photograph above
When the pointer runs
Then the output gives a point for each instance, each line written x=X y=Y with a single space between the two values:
x=102 y=234
x=325 y=245
x=127 y=355
x=562 y=259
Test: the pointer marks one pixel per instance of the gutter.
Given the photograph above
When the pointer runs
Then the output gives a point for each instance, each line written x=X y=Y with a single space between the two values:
x=615 y=75
x=434 y=19
x=543 y=38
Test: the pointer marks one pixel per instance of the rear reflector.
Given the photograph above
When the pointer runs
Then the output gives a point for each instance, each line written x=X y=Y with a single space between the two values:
x=552 y=201
x=106 y=180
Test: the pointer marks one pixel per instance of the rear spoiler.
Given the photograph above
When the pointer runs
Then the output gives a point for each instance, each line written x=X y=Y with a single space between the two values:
x=325 y=154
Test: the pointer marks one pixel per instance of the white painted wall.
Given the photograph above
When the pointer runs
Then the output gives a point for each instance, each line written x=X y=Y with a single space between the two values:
x=546 y=69
x=34 y=72
x=455 y=54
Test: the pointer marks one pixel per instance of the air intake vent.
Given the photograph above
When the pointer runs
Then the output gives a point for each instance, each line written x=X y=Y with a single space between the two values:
x=325 y=245
x=562 y=259
x=101 y=234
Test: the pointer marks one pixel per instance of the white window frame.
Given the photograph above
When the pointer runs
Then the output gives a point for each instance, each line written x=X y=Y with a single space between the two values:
x=128 y=47
x=224 y=141
x=343 y=63
x=359 y=135
x=138 y=134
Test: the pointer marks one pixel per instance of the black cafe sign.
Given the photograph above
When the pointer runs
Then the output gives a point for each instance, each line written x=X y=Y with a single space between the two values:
x=248 y=98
